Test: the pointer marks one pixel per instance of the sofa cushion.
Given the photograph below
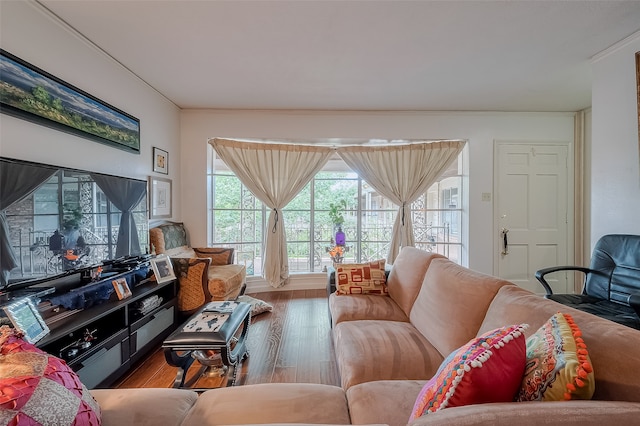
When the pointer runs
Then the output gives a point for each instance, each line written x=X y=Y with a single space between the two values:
x=452 y=304
x=383 y=401
x=361 y=278
x=181 y=251
x=275 y=403
x=487 y=369
x=407 y=275
x=218 y=255
x=382 y=350
x=144 y=406
x=617 y=377
x=558 y=364
x=38 y=388
x=364 y=306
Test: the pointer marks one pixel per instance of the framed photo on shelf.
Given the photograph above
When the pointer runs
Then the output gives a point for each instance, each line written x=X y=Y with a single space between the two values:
x=160 y=161
x=122 y=288
x=159 y=198
x=162 y=269
x=25 y=318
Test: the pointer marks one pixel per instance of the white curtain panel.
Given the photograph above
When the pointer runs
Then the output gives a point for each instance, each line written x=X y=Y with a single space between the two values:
x=401 y=173
x=275 y=173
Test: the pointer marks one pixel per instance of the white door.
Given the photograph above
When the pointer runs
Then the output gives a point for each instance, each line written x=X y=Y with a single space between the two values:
x=532 y=208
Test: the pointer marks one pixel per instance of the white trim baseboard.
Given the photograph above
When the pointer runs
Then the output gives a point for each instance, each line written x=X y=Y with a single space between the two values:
x=296 y=282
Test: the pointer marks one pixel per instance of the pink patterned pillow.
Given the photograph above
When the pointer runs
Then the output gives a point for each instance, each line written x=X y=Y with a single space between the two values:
x=487 y=369
x=39 y=389
x=361 y=278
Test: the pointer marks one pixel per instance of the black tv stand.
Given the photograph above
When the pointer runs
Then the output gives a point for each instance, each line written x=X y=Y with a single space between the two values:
x=120 y=332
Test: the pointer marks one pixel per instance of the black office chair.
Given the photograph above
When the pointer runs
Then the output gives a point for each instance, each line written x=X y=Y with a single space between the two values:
x=612 y=281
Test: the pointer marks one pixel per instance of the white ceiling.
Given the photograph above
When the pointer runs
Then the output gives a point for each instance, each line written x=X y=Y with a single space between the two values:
x=359 y=55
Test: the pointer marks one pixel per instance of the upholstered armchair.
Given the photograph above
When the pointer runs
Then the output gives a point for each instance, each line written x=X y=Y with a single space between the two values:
x=204 y=274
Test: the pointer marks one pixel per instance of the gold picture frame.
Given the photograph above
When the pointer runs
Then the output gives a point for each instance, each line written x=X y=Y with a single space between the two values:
x=160 y=161
x=122 y=288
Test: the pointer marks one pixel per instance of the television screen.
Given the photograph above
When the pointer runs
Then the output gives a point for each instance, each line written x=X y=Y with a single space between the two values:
x=56 y=220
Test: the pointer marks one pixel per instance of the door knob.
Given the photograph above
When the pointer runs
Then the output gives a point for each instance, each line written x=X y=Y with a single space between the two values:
x=505 y=241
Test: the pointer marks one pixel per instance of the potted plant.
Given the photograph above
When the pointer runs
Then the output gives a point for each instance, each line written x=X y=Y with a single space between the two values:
x=336 y=216
x=335 y=212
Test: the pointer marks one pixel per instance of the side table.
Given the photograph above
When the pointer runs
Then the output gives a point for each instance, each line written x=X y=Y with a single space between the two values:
x=213 y=327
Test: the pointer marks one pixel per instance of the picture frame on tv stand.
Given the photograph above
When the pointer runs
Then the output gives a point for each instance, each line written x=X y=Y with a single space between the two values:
x=162 y=269
x=25 y=318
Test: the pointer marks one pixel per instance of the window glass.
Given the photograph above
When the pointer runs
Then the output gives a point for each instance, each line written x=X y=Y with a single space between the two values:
x=238 y=219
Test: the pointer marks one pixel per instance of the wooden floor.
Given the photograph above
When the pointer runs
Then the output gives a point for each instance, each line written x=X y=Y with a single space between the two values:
x=292 y=344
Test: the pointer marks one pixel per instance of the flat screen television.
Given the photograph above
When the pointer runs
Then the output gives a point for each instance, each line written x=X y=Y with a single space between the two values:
x=56 y=221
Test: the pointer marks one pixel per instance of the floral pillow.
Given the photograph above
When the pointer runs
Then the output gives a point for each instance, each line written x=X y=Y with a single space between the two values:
x=361 y=278
x=489 y=368
x=558 y=365
x=39 y=389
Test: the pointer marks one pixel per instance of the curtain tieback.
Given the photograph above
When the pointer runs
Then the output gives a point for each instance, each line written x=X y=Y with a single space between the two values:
x=275 y=221
x=403 y=206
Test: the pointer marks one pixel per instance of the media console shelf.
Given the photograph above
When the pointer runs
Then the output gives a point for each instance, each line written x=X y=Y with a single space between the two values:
x=121 y=333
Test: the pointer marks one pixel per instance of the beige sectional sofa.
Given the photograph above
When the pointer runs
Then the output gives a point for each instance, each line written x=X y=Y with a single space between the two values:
x=387 y=347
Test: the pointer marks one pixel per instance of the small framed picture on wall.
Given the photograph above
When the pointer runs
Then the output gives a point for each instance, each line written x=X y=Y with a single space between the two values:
x=160 y=161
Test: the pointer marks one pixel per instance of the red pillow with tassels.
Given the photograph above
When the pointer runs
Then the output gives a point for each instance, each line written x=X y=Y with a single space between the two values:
x=487 y=369
x=39 y=389
x=558 y=364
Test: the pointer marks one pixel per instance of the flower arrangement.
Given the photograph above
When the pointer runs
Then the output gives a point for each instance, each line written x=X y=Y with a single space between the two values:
x=337 y=253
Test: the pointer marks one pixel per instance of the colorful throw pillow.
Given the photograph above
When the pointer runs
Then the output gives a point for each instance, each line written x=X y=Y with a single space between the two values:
x=361 y=278
x=487 y=369
x=218 y=255
x=39 y=389
x=558 y=365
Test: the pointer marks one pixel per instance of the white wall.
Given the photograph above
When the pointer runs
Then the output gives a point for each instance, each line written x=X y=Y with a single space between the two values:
x=480 y=129
x=34 y=36
x=615 y=161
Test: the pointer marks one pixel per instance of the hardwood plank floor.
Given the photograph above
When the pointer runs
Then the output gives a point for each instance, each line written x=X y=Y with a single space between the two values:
x=292 y=344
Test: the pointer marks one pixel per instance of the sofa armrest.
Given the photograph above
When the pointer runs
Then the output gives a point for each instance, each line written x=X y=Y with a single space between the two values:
x=592 y=412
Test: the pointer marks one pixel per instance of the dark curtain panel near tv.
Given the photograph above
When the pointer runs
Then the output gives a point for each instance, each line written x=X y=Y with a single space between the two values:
x=16 y=182
x=125 y=195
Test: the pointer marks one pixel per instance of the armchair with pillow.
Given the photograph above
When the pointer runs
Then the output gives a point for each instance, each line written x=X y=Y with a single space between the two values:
x=204 y=274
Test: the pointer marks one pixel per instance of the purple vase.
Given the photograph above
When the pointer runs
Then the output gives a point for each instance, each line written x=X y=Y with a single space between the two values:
x=340 y=237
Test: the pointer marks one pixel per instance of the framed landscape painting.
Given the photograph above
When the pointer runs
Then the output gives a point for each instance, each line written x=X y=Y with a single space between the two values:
x=32 y=94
